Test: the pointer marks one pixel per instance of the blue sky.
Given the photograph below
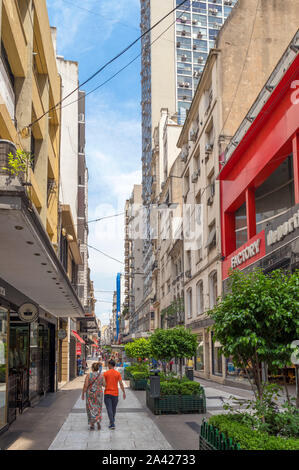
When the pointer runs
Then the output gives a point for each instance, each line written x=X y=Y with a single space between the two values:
x=113 y=120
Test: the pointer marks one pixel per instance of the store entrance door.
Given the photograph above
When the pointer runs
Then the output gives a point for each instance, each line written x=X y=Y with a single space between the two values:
x=19 y=366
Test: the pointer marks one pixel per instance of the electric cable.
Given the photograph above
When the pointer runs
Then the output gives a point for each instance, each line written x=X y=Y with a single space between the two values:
x=122 y=69
x=97 y=72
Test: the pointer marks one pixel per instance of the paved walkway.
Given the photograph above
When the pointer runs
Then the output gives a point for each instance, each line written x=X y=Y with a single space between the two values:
x=135 y=429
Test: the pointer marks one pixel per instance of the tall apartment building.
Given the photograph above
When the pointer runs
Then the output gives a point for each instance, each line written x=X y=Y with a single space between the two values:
x=133 y=263
x=171 y=68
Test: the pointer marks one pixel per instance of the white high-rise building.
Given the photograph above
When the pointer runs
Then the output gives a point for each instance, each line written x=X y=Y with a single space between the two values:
x=173 y=58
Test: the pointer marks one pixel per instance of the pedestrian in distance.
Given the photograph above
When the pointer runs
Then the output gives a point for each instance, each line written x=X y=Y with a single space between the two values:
x=112 y=378
x=100 y=366
x=93 y=388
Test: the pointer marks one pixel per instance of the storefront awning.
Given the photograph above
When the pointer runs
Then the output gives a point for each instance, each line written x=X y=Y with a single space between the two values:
x=78 y=337
x=28 y=260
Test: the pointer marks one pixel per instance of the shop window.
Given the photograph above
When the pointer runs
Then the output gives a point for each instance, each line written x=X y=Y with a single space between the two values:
x=275 y=195
x=216 y=358
x=199 y=358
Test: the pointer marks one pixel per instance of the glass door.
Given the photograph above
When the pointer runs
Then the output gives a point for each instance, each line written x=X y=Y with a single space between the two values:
x=19 y=361
x=4 y=322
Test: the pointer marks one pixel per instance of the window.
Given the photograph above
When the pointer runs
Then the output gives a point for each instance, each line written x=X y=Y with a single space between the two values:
x=211 y=242
x=200 y=298
x=213 y=289
x=189 y=303
x=276 y=194
x=216 y=358
x=241 y=226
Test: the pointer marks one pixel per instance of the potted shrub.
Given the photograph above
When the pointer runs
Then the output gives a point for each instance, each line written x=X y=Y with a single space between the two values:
x=177 y=396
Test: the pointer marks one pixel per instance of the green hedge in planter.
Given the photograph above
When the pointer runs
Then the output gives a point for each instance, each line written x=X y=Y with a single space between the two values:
x=172 y=401
x=138 y=380
x=248 y=438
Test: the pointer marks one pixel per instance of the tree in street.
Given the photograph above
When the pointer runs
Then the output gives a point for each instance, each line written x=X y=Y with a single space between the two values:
x=176 y=342
x=256 y=322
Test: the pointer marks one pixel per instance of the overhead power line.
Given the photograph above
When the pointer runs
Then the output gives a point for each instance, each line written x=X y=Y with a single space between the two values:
x=105 y=254
x=107 y=63
x=122 y=69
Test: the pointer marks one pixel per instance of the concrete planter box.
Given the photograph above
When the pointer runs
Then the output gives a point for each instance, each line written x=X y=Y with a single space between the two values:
x=176 y=404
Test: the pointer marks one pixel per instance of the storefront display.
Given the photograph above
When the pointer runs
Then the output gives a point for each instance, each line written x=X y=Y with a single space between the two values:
x=199 y=358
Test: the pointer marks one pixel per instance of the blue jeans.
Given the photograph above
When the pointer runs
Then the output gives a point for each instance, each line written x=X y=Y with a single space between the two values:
x=111 y=404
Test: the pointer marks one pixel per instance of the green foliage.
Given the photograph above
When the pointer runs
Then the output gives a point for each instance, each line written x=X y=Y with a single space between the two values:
x=258 y=320
x=248 y=438
x=180 y=387
x=265 y=415
x=140 y=348
x=18 y=163
x=138 y=368
x=140 y=375
x=177 y=342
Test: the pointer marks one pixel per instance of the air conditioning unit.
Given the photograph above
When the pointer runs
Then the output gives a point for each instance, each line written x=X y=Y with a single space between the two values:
x=197 y=74
x=228 y=2
x=181 y=84
x=178 y=44
x=199 y=35
x=213 y=11
x=194 y=177
x=200 y=59
x=194 y=22
x=186 y=84
x=194 y=47
x=209 y=148
x=184 y=58
x=183 y=33
x=184 y=19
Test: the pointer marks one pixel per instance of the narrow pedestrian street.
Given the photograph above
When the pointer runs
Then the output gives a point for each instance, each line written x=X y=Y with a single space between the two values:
x=59 y=422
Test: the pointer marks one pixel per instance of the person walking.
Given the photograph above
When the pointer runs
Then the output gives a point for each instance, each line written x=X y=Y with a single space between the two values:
x=112 y=377
x=93 y=388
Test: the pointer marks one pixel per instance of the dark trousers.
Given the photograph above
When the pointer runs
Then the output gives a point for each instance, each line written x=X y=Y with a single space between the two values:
x=111 y=404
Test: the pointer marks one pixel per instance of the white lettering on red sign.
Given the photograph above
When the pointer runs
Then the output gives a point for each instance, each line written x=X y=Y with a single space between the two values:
x=246 y=254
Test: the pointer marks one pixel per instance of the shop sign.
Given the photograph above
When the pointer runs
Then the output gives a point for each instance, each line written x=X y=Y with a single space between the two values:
x=246 y=254
x=78 y=349
x=28 y=312
x=250 y=252
x=2 y=291
x=274 y=236
x=62 y=334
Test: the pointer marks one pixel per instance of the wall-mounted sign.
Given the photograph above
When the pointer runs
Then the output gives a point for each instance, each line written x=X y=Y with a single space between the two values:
x=78 y=349
x=274 y=236
x=2 y=291
x=62 y=334
x=28 y=312
x=247 y=253
x=244 y=256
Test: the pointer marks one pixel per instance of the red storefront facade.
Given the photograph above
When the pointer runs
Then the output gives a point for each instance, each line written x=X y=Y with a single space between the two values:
x=259 y=181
